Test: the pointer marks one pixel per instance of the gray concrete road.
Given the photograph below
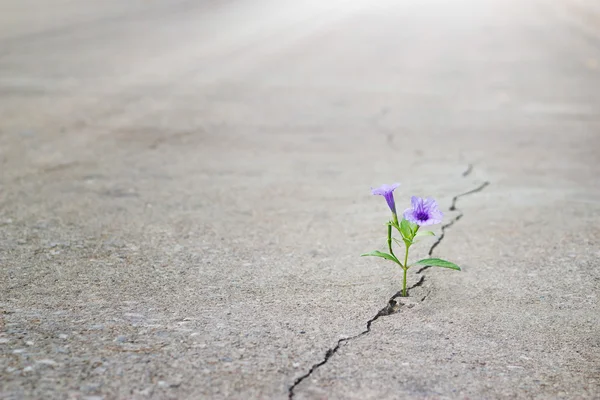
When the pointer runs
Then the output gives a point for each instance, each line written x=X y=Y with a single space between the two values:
x=184 y=195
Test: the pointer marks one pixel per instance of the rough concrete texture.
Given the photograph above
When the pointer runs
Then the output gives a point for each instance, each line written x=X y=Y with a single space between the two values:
x=185 y=192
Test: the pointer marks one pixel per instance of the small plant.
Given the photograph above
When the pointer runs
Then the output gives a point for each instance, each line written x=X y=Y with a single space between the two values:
x=423 y=212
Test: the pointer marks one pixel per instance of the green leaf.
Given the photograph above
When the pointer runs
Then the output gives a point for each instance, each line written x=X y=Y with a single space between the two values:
x=437 y=262
x=406 y=230
x=424 y=233
x=378 y=253
x=413 y=227
x=404 y=242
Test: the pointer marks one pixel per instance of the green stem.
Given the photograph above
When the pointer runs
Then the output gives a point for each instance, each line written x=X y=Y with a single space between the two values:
x=389 y=240
x=404 y=291
x=405 y=268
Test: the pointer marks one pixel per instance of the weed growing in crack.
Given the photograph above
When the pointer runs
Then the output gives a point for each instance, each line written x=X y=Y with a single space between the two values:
x=423 y=212
x=393 y=305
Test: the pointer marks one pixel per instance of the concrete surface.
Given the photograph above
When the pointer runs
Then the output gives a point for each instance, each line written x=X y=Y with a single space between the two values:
x=185 y=192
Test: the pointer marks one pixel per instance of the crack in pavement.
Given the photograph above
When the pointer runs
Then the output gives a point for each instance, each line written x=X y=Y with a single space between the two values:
x=468 y=170
x=393 y=306
x=454 y=220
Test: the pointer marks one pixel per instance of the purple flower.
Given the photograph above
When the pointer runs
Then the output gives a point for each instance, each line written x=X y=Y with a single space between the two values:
x=387 y=191
x=423 y=212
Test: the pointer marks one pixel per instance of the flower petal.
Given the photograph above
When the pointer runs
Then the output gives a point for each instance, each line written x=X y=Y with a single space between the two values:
x=423 y=212
x=414 y=201
x=384 y=189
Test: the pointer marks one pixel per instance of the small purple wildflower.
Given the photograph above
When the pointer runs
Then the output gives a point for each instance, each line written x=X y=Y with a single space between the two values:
x=387 y=191
x=423 y=212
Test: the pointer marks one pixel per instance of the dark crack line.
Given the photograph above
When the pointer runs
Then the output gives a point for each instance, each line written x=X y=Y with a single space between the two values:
x=453 y=221
x=393 y=306
x=426 y=295
x=468 y=170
